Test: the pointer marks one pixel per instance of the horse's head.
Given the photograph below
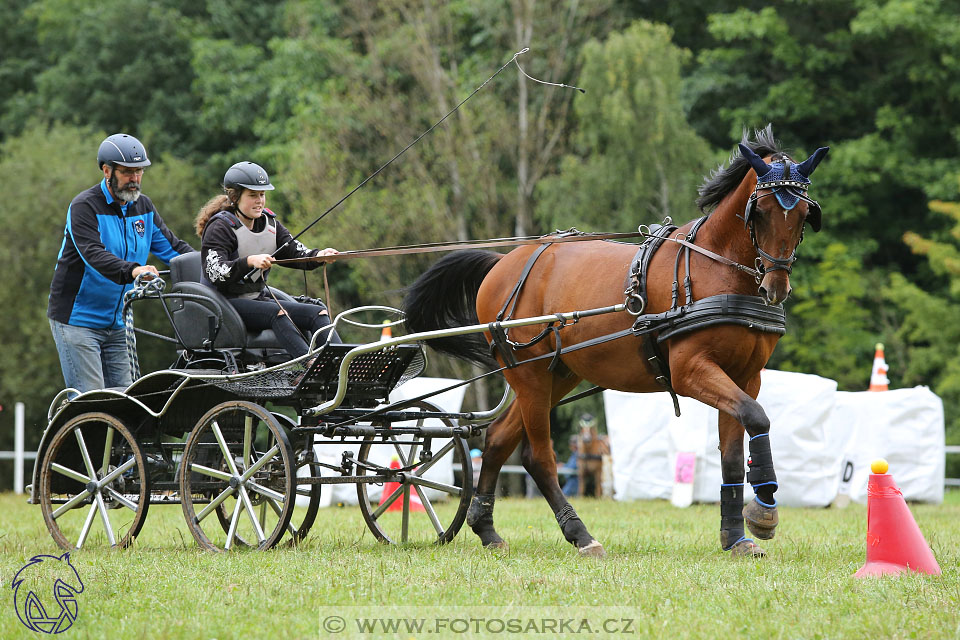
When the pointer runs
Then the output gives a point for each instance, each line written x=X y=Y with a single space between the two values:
x=776 y=224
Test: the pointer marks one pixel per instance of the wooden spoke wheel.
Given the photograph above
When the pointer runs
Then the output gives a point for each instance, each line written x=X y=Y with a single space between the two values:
x=426 y=504
x=94 y=485
x=306 y=505
x=237 y=478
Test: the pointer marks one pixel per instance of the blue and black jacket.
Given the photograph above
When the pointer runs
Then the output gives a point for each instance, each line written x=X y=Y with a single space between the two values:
x=103 y=243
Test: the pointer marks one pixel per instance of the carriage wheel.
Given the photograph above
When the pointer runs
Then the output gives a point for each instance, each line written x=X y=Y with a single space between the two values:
x=94 y=486
x=237 y=467
x=426 y=505
x=302 y=516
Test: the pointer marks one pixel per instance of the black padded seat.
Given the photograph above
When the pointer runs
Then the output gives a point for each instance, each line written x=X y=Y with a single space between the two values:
x=203 y=311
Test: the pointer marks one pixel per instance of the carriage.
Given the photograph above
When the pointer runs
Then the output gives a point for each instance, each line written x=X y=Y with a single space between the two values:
x=244 y=440
x=201 y=433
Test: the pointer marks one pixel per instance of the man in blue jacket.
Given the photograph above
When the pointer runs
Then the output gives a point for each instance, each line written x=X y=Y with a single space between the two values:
x=111 y=231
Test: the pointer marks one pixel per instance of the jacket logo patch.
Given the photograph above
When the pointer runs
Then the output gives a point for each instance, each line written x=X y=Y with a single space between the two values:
x=139 y=227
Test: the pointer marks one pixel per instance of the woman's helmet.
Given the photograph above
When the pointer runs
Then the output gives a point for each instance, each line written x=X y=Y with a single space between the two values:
x=124 y=150
x=247 y=175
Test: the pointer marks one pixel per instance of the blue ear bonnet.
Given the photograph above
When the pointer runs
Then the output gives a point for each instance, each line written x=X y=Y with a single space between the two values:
x=787 y=188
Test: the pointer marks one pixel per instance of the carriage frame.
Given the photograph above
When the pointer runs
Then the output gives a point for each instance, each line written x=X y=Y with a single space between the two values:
x=237 y=445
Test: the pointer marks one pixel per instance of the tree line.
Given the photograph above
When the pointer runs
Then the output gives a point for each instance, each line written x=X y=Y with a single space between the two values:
x=322 y=92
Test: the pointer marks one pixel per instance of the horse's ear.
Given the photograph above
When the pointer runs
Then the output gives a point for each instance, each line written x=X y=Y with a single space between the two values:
x=755 y=161
x=807 y=166
x=66 y=557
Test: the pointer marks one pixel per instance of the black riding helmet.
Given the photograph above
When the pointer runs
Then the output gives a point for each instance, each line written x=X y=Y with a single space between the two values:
x=124 y=150
x=247 y=175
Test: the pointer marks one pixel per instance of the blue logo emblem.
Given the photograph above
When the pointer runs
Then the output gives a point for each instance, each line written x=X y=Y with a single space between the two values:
x=139 y=227
x=45 y=593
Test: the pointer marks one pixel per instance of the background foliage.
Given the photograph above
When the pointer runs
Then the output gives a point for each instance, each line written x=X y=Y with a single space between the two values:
x=322 y=92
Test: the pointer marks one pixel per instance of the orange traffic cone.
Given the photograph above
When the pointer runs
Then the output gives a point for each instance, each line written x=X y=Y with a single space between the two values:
x=878 y=377
x=386 y=333
x=894 y=541
x=390 y=487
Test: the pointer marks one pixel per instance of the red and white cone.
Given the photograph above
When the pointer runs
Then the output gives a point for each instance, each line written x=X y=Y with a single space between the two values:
x=878 y=377
x=390 y=487
x=894 y=541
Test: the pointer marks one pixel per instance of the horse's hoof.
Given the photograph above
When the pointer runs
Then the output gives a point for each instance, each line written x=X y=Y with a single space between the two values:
x=746 y=549
x=761 y=520
x=498 y=545
x=592 y=550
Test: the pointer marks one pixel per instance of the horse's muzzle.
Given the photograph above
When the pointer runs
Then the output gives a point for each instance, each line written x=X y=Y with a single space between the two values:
x=774 y=292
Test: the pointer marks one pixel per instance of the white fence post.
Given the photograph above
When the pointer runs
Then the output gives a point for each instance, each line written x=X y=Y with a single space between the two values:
x=18 y=448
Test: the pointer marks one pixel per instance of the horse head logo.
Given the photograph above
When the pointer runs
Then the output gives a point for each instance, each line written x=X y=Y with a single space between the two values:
x=42 y=577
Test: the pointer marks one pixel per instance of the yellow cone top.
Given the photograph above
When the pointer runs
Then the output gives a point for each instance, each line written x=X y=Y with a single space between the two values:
x=879 y=466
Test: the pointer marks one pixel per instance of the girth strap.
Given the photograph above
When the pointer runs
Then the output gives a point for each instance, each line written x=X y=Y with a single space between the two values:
x=636 y=302
x=660 y=368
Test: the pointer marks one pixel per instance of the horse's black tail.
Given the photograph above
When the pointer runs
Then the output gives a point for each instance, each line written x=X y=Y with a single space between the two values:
x=445 y=297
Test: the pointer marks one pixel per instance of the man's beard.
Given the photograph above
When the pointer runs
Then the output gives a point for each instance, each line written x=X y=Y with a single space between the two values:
x=127 y=195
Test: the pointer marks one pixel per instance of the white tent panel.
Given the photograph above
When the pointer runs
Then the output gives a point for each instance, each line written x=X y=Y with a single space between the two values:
x=646 y=437
x=904 y=426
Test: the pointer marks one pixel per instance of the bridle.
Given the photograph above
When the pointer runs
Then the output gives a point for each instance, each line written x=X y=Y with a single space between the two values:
x=777 y=264
x=798 y=190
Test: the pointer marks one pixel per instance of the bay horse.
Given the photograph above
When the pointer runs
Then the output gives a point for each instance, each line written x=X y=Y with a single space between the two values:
x=717 y=362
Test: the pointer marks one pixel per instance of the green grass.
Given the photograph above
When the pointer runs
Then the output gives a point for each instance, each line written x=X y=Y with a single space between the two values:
x=664 y=568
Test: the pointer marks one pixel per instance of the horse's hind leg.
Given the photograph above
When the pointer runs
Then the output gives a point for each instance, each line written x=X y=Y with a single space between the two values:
x=570 y=523
x=503 y=436
x=540 y=462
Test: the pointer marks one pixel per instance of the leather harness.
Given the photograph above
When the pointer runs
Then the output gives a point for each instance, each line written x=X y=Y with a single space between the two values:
x=747 y=311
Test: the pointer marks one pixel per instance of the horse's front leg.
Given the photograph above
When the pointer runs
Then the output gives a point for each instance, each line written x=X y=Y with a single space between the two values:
x=732 y=535
x=708 y=383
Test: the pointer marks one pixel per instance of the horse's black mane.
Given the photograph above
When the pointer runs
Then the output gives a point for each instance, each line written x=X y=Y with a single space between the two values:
x=725 y=179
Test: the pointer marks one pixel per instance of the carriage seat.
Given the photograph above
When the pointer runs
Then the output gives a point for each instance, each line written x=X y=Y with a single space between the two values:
x=211 y=314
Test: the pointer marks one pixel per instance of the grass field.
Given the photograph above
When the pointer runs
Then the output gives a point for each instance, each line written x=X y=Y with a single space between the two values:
x=664 y=573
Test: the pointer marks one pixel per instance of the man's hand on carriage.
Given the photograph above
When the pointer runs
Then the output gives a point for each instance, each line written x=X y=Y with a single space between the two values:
x=260 y=261
x=148 y=271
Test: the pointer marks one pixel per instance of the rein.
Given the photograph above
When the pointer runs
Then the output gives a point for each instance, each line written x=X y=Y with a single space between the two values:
x=756 y=273
x=431 y=247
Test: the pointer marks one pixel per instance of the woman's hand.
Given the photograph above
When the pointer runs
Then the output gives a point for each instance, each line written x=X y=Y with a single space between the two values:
x=260 y=261
x=329 y=251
